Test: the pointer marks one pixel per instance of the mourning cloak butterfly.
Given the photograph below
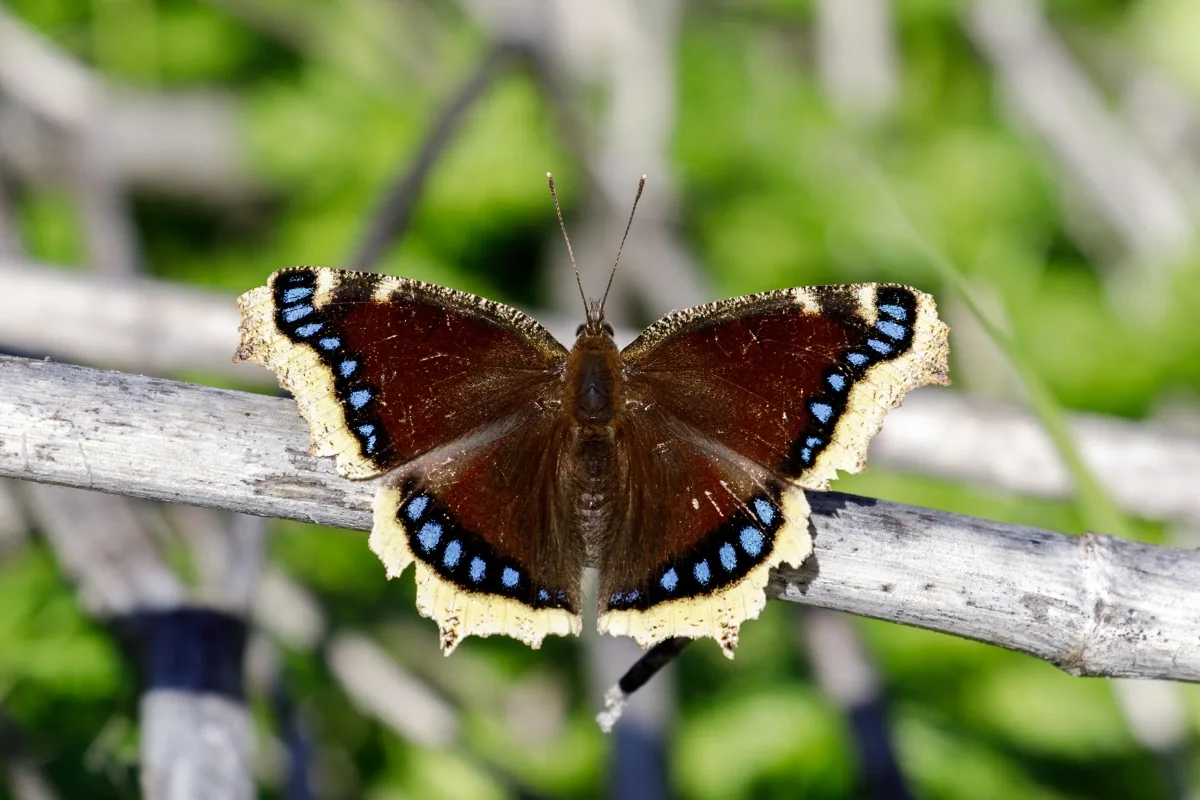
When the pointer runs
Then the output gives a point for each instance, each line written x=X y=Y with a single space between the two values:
x=677 y=466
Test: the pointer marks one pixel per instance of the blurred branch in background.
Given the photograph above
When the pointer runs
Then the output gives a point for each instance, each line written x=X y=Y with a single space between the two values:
x=1147 y=468
x=196 y=741
x=856 y=56
x=14 y=531
x=1101 y=162
x=380 y=686
x=394 y=212
x=183 y=143
x=10 y=242
x=1092 y=605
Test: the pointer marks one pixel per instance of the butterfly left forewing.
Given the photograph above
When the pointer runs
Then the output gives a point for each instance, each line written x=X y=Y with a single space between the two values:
x=384 y=368
x=786 y=387
x=456 y=397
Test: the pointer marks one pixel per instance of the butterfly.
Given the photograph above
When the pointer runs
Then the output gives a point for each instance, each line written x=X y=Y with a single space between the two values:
x=677 y=466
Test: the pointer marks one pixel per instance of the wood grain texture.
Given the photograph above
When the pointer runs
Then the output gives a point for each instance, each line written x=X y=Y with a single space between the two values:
x=1092 y=605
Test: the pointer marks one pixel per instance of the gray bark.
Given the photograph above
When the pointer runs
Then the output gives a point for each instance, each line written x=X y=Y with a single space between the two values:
x=1092 y=605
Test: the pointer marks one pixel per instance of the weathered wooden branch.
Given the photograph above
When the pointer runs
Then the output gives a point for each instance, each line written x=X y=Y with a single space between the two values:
x=151 y=326
x=1092 y=605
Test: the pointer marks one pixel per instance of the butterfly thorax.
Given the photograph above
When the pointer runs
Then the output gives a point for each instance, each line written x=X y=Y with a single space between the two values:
x=593 y=373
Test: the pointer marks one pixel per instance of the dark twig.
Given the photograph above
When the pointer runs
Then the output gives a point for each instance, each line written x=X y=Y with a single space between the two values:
x=638 y=676
x=392 y=217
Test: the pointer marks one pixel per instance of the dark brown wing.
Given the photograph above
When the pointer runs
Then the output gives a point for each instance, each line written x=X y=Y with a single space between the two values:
x=460 y=396
x=703 y=527
x=731 y=410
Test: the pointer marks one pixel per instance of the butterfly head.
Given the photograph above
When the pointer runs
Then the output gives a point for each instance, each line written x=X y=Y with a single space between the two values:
x=596 y=324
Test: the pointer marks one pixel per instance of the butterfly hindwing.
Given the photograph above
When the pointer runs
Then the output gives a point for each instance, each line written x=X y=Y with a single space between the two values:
x=493 y=552
x=772 y=394
x=704 y=528
x=447 y=391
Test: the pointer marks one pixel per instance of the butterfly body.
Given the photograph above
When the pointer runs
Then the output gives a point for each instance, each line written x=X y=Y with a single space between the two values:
x=677 y=466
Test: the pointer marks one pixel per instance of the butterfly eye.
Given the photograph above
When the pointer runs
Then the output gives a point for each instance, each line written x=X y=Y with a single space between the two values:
x=608 y=329
x=579 y=331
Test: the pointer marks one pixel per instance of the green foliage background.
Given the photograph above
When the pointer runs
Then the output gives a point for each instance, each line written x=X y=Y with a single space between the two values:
x=769 y=197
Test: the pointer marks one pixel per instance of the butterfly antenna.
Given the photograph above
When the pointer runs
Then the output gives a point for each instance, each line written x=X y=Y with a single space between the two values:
x=567 y=239
x=628 y=225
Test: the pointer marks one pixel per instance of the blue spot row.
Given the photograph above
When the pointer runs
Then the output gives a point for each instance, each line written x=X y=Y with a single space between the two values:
x=889 y=337
x=368 y=431
x=765 y=511
x=721 y=558
x=510 y=577
x=752 y=541
x=303 y=322
x=439 y=541
x=478 y=569
x=728 y=557
x=416 y=506
x=669 y=580
x=452 y=554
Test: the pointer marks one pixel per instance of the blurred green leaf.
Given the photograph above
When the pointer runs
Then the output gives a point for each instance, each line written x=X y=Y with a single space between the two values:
x=784 y=743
